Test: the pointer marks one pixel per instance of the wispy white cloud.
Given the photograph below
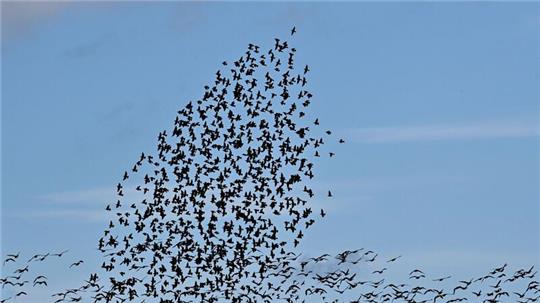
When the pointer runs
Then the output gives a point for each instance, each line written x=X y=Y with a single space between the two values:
x=88 y=215
x=99 y=196
x=87 y=205
x=441 y=132
x=461 y=261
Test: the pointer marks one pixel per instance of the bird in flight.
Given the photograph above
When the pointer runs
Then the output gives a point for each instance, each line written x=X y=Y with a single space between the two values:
x=76 y=263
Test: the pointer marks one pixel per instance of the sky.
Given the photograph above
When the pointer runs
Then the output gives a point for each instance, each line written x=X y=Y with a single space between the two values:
x=439 y=104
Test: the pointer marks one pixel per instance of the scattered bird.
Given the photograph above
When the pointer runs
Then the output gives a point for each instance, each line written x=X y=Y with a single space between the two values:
x=11 y=258
x=442 y=279
x=76 y=263
x=60 y=254
x=393 y=259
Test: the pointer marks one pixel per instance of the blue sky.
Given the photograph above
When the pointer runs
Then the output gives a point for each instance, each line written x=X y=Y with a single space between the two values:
x=439 y=104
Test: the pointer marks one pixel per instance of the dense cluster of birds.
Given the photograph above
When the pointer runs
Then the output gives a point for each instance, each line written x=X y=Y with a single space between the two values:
x=226 y=193
x=216 y=213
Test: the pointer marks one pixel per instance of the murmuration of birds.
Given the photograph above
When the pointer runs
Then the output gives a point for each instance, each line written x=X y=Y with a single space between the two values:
x=217 y=211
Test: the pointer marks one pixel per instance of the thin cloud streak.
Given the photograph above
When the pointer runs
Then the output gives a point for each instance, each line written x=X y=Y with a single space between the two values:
x=94 y=196
x=466 y=259
x=88 y=215
x=86 y=204
x=483 y=130
x=98 y=196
